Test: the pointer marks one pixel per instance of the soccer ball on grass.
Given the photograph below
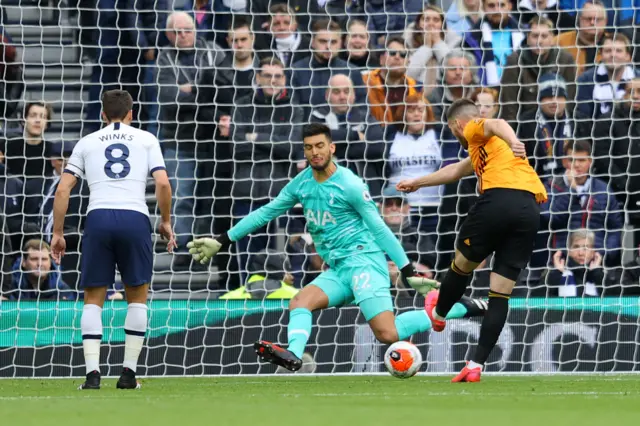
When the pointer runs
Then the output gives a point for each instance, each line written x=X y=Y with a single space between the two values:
x=403 y=360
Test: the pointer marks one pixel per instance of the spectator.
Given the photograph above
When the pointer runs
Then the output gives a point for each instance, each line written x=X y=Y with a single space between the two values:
x=578 y=272
x=264 y=128
x=599 y=87
x=310 y=76
x=519 y=91
x=578 y=200
x=357 y=43
x=463 y=15
x=457 y=82
x=40 y=194
x=222 y=85
x=390 y=17
x=416 y=152
x=283 y=39
x=616 y=152
x=25 y=155
x=14 y=224
x=6 y=261
x=11 y=75
x=420 y=249
x=307 y=265
x=212 y=18
x=118 y=59
x=546 y=130
x=36 y=276
x=584 y=42
x=547 y=9
x=389 y=85
x=306 y=11
x=179 y=70
x=429 y=42
x=359 y=138
x=486 y=100
x=493 y=39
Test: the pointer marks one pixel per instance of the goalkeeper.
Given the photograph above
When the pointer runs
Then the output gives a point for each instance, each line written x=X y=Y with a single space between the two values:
x=350 y=236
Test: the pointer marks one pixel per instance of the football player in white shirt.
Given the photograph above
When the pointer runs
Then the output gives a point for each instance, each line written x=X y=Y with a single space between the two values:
x=115 y=161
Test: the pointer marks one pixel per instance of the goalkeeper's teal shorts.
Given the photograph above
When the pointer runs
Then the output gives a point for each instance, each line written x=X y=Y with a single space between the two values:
x=362 y=278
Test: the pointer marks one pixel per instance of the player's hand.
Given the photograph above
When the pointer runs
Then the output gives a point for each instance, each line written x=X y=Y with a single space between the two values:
x=558 y=261
x=203 y=249
x=166 y=231
x=58 y=247
x=416 y=281
x=407 y=185
x=596 y=262
x=518 y=149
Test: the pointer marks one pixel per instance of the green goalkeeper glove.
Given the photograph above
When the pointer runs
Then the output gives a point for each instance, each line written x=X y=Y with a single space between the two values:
x=203 y=249
x=418 y=282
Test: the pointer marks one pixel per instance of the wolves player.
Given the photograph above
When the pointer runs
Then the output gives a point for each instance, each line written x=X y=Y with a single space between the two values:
x=350 y=236
x=116 y=162
x=504 y=221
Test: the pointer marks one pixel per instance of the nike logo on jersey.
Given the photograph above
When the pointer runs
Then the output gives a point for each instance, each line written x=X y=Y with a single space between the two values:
x=319 y=218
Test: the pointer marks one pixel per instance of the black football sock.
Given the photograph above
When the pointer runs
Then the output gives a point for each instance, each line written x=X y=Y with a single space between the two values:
x=492 y=325
x=452 y=289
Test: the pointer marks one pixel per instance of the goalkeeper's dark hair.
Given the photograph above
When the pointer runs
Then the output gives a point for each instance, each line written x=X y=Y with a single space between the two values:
x=315 y=129
x=462 y=108
x=116 y=104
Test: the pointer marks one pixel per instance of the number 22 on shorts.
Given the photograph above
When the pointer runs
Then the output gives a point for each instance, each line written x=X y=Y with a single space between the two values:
x=361 y=282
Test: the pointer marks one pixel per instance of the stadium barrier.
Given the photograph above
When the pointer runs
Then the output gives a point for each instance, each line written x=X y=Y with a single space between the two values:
x=199 y=337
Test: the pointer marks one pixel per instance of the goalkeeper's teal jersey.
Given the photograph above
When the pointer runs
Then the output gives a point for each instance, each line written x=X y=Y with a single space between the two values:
x=341 y=217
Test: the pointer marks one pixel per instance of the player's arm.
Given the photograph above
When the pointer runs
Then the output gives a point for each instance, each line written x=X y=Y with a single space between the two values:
x=203 y=249
x=158 y=171
x=360 y=200
x=60 y=206
x=502 y=129
x=448 y=174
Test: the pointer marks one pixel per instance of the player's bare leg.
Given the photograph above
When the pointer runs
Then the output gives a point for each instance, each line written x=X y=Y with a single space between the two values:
x=309 y=299
x=91 y=327
x=135 y=327
x=452 y=289
x=492 y=325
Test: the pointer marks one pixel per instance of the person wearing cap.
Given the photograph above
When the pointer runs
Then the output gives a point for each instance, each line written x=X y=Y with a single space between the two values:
x=420 y=248
x=39 y=196
x=545 y=130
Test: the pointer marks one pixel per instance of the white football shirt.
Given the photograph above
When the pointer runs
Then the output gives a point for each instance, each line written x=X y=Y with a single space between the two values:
x=116 y=161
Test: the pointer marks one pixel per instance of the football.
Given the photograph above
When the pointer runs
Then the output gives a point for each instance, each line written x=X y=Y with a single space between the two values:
x=403 y=360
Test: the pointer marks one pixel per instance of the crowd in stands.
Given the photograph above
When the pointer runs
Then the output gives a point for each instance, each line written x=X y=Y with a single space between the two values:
x=226 y=85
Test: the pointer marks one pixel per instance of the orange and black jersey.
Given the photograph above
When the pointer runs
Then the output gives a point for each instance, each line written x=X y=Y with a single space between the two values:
x=496 y=166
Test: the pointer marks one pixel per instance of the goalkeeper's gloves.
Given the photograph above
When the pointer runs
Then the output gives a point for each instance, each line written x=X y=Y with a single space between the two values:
x=203 y=249
x=420 y=283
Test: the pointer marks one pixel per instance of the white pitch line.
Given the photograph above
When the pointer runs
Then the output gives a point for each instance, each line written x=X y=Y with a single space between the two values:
x=331 y=395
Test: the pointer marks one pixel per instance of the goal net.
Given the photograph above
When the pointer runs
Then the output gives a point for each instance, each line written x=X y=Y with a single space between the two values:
x=227 y=86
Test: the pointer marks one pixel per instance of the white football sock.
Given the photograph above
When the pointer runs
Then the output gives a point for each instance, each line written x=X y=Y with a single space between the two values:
x=135 y=327
x=473 y=364
x=91 y=327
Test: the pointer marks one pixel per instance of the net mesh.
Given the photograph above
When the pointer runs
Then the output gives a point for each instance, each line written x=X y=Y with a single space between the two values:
x=226 y=86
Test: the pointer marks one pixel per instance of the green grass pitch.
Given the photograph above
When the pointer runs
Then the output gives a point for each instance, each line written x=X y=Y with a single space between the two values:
x=328 y=401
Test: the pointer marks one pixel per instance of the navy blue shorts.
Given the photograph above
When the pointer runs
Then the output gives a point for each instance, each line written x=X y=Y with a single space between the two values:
x=119 y=238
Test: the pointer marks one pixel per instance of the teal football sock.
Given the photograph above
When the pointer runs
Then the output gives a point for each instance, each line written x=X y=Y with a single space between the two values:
x=299 y=330
x=410 y=323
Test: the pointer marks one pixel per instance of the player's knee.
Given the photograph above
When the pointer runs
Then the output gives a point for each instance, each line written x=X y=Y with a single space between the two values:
x=95 y=295
x=463 y=264
x=299 y=301
x=386 y=336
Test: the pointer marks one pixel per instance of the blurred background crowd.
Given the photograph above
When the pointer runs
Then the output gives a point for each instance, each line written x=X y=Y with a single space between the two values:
x=227 y=84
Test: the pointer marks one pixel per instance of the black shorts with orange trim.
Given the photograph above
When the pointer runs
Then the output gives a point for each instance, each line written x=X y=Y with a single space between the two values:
x=504 y=222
